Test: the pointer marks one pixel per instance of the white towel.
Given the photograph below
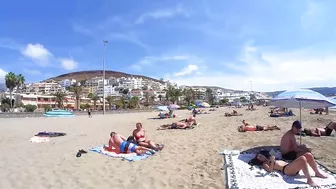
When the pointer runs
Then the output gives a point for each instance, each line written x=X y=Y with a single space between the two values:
x=247 y=177
x=37 y=139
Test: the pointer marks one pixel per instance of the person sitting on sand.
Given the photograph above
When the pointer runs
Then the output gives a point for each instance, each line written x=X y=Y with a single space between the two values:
x=317 y=132
x=234 y=113
x=191 y=120
x=140 y=137
x=270 y=164
x=247 y=127
x=290 y=150
x=119 y=144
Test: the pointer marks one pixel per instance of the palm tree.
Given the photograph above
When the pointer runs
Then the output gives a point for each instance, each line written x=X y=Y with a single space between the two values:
x=152 y=99
x=20 y=81
x=11 y=83
x=95 y=98
x=110 y=100
x=90 y=95
x=60 y=99
x=77 y=90
x=209 y=96
x=173 y=94
x=188 y=95
x=133 y=102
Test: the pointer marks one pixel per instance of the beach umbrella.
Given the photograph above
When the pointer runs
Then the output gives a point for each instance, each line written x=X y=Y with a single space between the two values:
x=205 y=105
x=162 y=108
x=302 y=98
x=173 y=107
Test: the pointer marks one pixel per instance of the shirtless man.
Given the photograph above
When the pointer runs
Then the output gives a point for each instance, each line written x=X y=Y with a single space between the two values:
x=191 y=120
x=290 y=150
x=317 y=132
x=121 y=145
x=247 y=127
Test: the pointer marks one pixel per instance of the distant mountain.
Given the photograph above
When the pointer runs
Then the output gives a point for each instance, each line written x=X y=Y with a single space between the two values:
x=85 y=75
x=2 y=87
x=326 y=91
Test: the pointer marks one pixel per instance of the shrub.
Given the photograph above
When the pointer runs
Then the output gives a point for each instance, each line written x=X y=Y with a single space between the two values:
x=47 y=108
x=30 y=108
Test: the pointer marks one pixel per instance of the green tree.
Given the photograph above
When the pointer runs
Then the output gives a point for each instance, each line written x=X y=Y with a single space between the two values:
x=60 y=98
x=110 y=100
x=210 y=96
x=95 y=98
x=11 y=83
x=20 y=81
x=188 y=95
x=125 y=91
x=173 y=94
x=78 y=91
x=224 y=101
x=90 y=95
x=133 y=102
x=144 y=87
x=5 y=104
x=30 y=108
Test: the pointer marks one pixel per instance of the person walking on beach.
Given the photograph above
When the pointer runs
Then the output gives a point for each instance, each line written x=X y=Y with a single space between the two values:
x=89 y=113
x=290 y=150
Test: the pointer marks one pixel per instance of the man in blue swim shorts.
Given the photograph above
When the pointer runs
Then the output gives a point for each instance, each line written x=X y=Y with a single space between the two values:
x=121 y=145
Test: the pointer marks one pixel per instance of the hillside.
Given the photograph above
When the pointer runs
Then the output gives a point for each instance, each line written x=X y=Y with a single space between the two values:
x=326 y=91
x=85 y=75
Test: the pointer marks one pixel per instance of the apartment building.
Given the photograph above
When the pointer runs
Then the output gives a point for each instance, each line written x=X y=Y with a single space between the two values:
x=109 y=91
x=44 y=88
x=67 y=82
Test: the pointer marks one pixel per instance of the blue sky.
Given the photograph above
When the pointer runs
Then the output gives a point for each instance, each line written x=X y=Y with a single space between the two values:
x=279 y=44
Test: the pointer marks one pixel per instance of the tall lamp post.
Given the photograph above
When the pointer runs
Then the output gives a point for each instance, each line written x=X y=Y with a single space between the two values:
x=104 y=57
x=251 y=85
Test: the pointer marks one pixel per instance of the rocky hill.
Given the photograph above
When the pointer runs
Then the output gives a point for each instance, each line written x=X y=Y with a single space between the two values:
x=85 y=75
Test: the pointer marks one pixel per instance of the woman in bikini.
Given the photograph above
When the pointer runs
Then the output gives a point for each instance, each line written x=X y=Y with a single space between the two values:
x=317 y=132
x=176 y=125
x=247 y=127
x=140 y=137
x=270 y=164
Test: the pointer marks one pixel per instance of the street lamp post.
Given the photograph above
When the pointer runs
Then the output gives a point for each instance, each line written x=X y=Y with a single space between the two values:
x=104 y=57
x=251 y=85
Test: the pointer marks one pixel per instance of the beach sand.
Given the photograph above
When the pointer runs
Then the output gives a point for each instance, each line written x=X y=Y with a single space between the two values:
x=190 y=158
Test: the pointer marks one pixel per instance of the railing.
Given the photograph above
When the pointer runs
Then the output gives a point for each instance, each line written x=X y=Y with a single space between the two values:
x=78 y=113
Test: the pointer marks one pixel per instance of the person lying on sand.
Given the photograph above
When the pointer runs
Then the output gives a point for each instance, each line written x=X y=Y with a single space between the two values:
x=234 y=113
x=121 y=145
x=140 y=137
x=317 y=132
x=270 y=164
x=175 y=125
x=247 y=127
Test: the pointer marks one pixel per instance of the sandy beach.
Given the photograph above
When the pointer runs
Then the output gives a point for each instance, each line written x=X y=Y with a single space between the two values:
x=190 y=158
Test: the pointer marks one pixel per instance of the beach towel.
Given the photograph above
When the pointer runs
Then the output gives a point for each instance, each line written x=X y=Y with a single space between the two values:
x=50 y=134
x=129 y=157
x=38 y=139
x=242 y=175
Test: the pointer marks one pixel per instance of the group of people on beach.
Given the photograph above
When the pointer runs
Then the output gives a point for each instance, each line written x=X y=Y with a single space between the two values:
x=299 y=155
x=136 y=143
x=182 y=124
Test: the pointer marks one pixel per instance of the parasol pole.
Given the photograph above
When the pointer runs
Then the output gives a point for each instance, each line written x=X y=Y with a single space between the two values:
x=300 y=122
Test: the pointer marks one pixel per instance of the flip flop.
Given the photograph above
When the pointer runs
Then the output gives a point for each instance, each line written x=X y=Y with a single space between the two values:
x=79 y=154
x=82 y=151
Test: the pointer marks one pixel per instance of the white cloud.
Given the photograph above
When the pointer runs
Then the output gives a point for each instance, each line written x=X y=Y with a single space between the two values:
x=2 y=76
x=68 y=64
x=150 y=60
x=187 y=70
x=270 y=71
x=163 y=13
x=31 y=71
x=38 y=53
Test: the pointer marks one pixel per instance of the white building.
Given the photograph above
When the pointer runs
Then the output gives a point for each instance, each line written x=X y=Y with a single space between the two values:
x=109 y=91
x=44 y=88
x=67 y=82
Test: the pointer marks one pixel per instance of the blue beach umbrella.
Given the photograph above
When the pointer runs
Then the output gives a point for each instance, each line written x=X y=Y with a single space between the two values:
x=302 y=98
x=162 y=108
